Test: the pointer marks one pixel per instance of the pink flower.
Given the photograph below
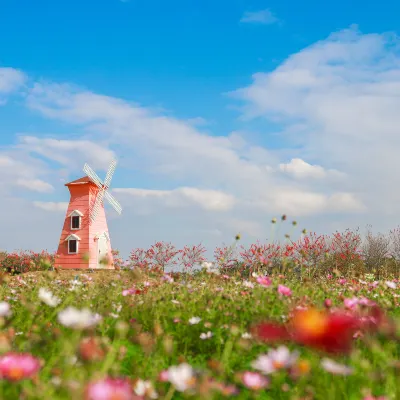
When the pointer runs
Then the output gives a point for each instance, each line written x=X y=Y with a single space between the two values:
x=328 y=303
x=342 y=281
x=351 y=303
x=254 y=380
x=18 y=366
x=163 y=376
x=283 y=290
x=110 y=389
x=264 y=281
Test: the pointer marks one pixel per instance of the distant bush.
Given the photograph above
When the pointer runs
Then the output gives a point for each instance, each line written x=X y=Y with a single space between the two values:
x=26 y=261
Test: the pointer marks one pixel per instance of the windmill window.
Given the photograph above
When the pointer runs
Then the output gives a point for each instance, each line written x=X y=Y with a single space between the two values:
x=72 y=246
x=75 y=222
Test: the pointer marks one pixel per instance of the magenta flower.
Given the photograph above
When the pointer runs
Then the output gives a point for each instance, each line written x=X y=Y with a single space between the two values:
x=18 y=366
x=110 y=389
x=264 y=281
x=284 y=290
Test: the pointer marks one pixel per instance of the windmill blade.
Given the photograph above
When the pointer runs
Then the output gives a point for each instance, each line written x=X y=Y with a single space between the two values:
x=117 y=207
x=97 y=205
x=110 y=173
x=91 y=174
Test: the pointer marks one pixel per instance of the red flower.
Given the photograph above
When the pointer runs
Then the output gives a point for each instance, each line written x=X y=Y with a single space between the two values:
x=329 y=332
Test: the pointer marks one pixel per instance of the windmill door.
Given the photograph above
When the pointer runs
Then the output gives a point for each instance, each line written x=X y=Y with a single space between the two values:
x=102 y=250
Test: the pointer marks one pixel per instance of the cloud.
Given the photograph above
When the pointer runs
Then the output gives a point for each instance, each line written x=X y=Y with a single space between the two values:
x=211 y=200
x=337 y=101
x=51 y=206
x=36 y=185
x=300 y=169
x=71 y=153
x=10 y=80
x=259 y=17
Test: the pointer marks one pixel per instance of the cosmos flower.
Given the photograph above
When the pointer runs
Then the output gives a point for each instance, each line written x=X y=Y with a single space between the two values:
x=110 y=389
x=78 y=319
x=275 y=360
x=5 y=310
x=264 y=281
x=18 y=366
x=194 y=320
x=329 y=332
x=182 y=377
x=207 y=335
x=335 y=368
x=48 y=298
x=254 y=380
x=285 y=291
x=145 y=389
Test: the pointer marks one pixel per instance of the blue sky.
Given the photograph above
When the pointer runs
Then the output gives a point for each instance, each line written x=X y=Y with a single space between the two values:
x=259 y=84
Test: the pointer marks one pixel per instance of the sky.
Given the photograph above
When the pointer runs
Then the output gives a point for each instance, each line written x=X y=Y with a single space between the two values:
x=221 y=115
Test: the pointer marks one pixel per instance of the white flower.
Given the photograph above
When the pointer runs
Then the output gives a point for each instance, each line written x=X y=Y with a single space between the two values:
x=246 y=335
x=194 y=320
x=5 y=310
x=391 y=284
x=47 y=297
x=175 y=301
x=280 y=358
x=335 y=368
x=210 y=268
x=248 y=284
x=78 y=319
x=181 y=376
x=207 y=335
x=145 y=389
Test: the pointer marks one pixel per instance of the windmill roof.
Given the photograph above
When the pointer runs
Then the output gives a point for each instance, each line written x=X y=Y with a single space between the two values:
x=80 y=181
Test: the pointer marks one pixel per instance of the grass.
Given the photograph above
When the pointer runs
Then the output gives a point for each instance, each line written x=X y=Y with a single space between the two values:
x=143 y=334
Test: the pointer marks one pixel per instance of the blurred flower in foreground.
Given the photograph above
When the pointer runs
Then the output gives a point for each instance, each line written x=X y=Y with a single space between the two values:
x=194 y=320
x=275 y=360
x=335 y=368
x=145 y=389
x=330 y=332
x=78 y=319
x=284 y=290
x=5 y=310
x=110 y=389
x=264 y=281
x=254 y=380
x=47 y=297
x=18 y=366
x=182 y=377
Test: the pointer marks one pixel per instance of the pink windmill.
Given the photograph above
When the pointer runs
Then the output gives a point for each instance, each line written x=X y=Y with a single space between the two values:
x=85 y=241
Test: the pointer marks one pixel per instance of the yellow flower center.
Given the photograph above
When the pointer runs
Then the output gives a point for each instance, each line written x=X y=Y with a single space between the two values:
x=310 y=323
x=16 y=373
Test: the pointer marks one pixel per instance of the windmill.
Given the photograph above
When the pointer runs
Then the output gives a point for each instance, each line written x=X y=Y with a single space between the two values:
x=85 y=241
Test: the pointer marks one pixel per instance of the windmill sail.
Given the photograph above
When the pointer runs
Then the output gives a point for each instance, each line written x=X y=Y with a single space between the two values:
x=103 y=190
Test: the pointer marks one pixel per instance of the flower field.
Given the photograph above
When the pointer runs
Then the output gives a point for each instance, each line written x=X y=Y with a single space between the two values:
x=314 y=319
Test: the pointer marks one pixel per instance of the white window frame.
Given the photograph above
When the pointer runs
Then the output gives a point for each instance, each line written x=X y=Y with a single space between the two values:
x=76 y=213
x=73 y=237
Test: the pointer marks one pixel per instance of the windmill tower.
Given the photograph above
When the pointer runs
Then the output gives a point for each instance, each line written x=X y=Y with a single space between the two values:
x=85 y=241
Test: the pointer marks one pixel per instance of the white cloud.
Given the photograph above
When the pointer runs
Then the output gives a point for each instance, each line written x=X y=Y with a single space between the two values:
x=211 y=200
x=259 y=17
x=36 y=185
x=71 y=153
x=337 y=101
x=300 y=169
x=51 y=206
x=10 y=80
